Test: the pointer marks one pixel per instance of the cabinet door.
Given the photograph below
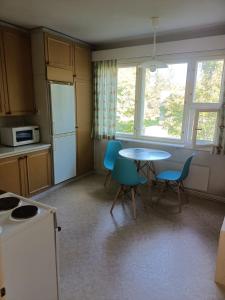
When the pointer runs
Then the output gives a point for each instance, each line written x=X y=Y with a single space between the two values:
x=58 y=52
x=84 y=124
x=18 y=72
x=2 y=94
x=82 y=63
x=10 y=175
x=38 y=171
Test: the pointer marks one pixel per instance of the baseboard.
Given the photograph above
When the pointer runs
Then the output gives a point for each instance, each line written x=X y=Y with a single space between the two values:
x=205 y=195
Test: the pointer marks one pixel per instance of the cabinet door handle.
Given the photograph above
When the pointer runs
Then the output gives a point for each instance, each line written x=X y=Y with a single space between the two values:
x=22 y=157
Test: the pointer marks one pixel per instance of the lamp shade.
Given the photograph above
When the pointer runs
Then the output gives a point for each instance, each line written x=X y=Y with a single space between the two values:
x=154 y=64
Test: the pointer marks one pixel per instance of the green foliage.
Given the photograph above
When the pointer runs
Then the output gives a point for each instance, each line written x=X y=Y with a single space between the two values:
x=125 y=127
x=208 y=81
x=126 y=100
x=174 y=114
x=207 y=121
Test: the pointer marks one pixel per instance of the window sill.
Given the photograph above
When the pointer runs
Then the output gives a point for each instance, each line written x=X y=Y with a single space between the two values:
x=165 y=144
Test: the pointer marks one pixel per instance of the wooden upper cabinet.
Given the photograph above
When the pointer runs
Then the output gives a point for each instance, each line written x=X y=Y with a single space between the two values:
x=82 y=66
x=58 y=52
x=19 y=96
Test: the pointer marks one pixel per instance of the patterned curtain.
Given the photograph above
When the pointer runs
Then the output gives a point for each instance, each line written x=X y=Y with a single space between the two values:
x=105 y=94
x=219 y=149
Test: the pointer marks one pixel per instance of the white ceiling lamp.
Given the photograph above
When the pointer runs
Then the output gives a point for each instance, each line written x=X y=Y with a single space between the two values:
x=153 y=64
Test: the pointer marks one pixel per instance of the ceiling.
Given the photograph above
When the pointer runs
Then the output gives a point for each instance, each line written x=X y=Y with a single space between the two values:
x=104 y=23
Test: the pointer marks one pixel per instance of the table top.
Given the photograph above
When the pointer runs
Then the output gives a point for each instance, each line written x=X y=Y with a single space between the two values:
x=144 y=154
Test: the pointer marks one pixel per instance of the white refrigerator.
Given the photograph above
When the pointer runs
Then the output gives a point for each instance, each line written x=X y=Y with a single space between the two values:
x=63 y=131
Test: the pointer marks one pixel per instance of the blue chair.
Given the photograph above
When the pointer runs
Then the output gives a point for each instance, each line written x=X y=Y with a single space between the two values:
x=111 y=154
x=125 y=173
x=176 y=178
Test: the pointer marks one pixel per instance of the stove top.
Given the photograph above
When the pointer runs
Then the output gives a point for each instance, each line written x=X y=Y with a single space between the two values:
x=8 y=203
x=24 y=212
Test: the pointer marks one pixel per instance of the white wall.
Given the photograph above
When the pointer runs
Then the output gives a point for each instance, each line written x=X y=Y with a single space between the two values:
x=207 y=171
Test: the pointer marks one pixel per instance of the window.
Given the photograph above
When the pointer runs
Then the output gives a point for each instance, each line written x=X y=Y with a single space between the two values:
x=207 y=96
x=164 y=102
x=126 y=87
x=208 y=81
x=205 y=128
x=178 y=104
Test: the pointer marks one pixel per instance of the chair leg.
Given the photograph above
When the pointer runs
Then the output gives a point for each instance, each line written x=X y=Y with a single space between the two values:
x=116 y=198
x=179 y=197
x=106 y=177
x=163 y=189
x=133 y=202
x=183 y=190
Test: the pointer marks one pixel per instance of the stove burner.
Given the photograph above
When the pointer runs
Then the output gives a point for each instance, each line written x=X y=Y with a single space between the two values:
x=24 y=212
x=8 y=203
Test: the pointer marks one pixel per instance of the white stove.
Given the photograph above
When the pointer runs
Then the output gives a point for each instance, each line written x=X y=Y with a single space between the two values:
x=28 y=250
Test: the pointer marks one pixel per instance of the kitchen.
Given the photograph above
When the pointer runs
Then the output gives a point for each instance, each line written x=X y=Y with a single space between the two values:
x=45 y=129
x=112 y=150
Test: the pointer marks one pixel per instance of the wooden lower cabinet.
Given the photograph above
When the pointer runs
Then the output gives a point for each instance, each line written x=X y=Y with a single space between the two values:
x=10 y=175
x=26 y=174
x=38 y=171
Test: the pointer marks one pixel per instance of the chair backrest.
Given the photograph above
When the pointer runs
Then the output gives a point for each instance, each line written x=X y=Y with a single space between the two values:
x=125 y=172
x=186 y=167
x=111 y=153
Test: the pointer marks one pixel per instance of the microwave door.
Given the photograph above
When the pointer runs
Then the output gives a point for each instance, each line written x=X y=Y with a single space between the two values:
x=24 y=136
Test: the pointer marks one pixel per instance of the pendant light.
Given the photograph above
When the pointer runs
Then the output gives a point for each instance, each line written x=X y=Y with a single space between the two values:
x=153 y=64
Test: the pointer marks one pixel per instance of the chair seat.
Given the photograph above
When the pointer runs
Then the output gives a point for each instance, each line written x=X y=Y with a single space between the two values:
x=169 y=175
x=109 y=165
x=139 y=180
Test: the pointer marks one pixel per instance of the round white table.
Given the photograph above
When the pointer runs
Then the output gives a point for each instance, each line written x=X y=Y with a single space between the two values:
x=148 y=156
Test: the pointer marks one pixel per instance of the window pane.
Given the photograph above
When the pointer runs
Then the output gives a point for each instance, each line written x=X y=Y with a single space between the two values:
x=208 y=81
x=206 y=127
x=126 y=100
x=164 y=101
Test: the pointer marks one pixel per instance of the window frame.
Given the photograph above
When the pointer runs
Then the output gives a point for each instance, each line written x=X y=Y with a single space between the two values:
x=195 y=125
x=190 y=107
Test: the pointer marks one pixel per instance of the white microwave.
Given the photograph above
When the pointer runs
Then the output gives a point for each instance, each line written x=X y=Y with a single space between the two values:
x=17 y=136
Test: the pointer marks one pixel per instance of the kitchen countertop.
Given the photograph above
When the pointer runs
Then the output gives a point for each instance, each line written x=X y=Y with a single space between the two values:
x=7 y=151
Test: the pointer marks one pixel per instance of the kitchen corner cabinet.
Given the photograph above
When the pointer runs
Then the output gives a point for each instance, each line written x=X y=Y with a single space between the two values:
x=17 y=96
x=26 y=175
